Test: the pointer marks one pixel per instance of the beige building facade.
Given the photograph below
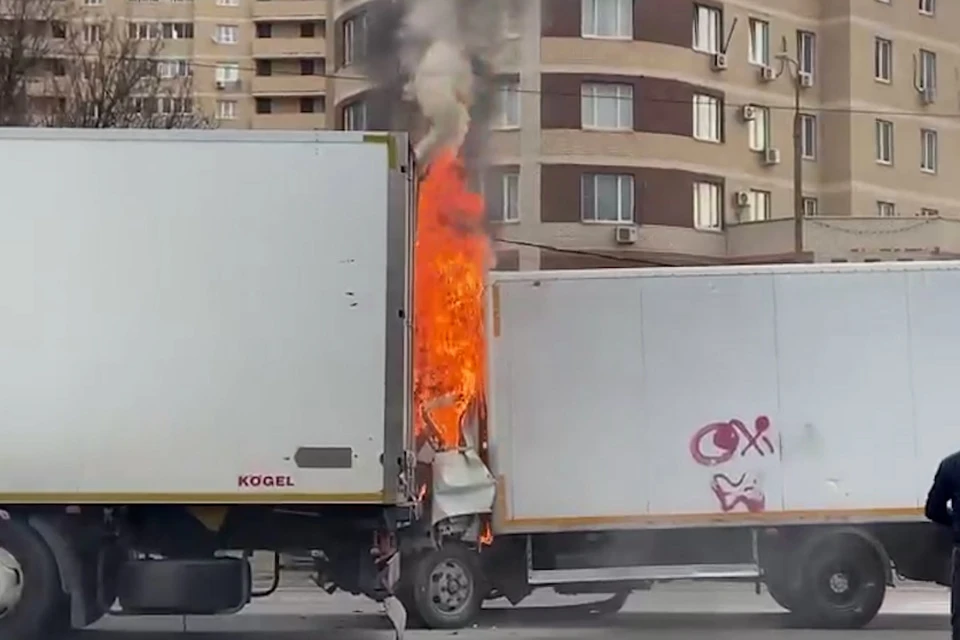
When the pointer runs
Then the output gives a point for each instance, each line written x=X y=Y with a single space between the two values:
x=652 y=131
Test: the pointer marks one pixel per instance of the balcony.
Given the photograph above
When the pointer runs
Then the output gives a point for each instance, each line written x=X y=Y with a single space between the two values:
x=854 y=239
x=294 y=121
x=277 y=10
x=284 y=84
x=289 y=47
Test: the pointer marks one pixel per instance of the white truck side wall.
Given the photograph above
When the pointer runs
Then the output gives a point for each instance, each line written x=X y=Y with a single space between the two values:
x=180 y=309
x=636 y=398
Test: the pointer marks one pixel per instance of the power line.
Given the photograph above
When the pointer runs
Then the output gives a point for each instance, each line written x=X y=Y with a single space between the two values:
x=641 y=98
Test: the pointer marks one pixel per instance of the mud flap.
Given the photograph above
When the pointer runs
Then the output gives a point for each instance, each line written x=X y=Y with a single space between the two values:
x=392 y=607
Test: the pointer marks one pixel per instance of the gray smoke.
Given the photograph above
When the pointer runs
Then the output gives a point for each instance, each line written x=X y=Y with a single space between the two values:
x=428 y=58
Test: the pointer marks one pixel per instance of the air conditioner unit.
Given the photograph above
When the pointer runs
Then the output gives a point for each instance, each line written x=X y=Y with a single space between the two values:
x=771 y=157
x=806 y=79
x=741 y=198
x=221 y=84
x=767 y=74
x=625 y=234
x=748 y=112
x=719 y=61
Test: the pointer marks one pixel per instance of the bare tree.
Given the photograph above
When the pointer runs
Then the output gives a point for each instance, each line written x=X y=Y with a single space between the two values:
x=111 y=74
x=28 y=33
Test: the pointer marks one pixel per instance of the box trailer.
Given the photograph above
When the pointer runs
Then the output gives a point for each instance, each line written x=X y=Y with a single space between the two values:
x=205 y=349
x=778 y=424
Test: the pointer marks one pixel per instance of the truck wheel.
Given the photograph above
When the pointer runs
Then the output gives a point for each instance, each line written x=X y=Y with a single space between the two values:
x=844 y=582
x=31 y=600
x=781 y=594
x=447 y=587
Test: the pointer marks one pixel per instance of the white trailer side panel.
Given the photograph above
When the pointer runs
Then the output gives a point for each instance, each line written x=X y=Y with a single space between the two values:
x=182 y=312
x=635 y=398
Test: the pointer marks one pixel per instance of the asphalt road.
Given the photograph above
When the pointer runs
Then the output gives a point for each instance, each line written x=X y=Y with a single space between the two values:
x=674 y=612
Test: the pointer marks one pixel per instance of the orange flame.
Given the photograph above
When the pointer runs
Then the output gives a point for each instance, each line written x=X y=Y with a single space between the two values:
x=450 y=258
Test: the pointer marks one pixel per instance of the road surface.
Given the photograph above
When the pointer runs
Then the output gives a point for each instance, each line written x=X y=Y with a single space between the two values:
x=670 y=612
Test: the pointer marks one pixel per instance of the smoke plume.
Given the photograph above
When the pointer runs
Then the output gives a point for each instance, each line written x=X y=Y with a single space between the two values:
x=432 y=61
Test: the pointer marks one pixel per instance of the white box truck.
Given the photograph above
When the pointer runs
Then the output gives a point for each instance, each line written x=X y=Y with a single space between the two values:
x=206 y=342
x=205 y=349
x=775 y=424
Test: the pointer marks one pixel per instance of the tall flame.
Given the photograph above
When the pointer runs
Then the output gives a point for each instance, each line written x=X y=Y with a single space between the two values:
x=450 y=259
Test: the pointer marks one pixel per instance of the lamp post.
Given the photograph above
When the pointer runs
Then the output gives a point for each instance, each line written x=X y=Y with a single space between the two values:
x=793 y=65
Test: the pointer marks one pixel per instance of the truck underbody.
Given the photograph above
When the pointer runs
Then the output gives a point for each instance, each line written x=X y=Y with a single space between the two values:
x=66 y=567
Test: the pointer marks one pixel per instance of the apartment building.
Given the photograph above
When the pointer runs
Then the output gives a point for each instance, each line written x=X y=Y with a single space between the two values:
x=258 y=64
x=662 y=131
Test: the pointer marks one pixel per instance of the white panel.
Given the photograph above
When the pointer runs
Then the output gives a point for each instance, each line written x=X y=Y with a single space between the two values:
x=935 y=363
x=176 y=314
x=569 y=386
x=710 y=383
x=846 y=403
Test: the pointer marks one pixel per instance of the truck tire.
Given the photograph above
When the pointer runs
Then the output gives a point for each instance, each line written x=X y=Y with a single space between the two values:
x=782 y=594
x=31 y=599
x=446 y=588
x=843 y=584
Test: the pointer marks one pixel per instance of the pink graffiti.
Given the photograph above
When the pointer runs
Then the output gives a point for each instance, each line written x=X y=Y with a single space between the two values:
x=727 y=437
x=732 y=493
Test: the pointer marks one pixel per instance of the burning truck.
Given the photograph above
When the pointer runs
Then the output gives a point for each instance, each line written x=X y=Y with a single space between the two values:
x=256 y=370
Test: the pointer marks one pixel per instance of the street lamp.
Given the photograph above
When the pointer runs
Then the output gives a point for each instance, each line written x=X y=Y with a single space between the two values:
x=787 y=62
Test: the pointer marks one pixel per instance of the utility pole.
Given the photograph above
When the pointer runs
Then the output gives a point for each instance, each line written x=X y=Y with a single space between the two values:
x=794 y=71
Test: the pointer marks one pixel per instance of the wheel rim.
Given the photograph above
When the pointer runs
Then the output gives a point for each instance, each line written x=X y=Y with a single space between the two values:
x=451 y=587
x=841 y=586
x=11 y=583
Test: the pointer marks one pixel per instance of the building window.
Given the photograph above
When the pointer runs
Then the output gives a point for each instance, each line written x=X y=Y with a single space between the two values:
x=808 y=136
x=929 y=150
x=926 y=212
x=354 y=39
x=508 y=209
x=355 y=117
x=92 y=33
x=707 y=29
x=807 y=51
x=759 y=42
x=226 y=109
x=307 y=105
x=811 y=207
x=928 y=70
x=707 y=118
x=883 y=60
x=928 y=7
x=228 y=73
x=508 y=107
x=606 y=106
x=227 y=34
x=886 y=209
x=263 y=30
x=758 y=129
x=759 y=208
x=884 y=135
x=173 y=68
x=707 y=205
x=607 y=18
x=606 y=198
x=263 y=105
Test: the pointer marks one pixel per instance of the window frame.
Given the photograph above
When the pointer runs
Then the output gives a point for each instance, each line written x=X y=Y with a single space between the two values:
x=509 y=185
x=758 y=196
x=929 y=150
x=807 y=52
x=884 y=142
x=508 y=95
x=927 y=7
x=714 y=107
x=589 y=96
x=715 y=195
x=882 y=62
x=758 y=49
x=813 y=210
x=624 y=30
x=621 y=218
x=889 y=207
x=927 y=69
x=349 y=115
x=713 y=30
x=809 y=124
x=754 y=129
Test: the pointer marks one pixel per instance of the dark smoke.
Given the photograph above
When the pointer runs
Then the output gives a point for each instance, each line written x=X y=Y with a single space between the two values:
x=393 y=51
